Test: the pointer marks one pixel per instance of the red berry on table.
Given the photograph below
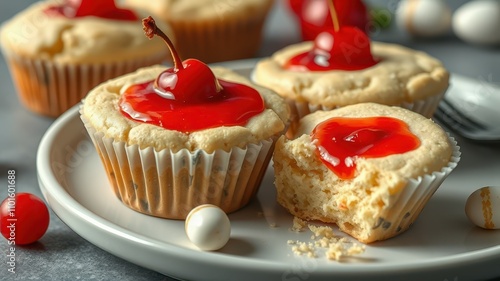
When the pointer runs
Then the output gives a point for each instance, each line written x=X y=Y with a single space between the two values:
x=24 y=218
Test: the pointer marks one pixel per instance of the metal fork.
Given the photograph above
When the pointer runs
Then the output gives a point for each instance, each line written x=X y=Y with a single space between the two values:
x=457 y=121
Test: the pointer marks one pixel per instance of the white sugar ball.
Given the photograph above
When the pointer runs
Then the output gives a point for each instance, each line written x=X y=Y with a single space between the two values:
x=483 y=207
x=426 y=18
x=208 y=227
x=478 y=22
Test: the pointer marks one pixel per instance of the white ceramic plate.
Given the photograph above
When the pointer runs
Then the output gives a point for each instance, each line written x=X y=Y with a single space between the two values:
x=441 y=245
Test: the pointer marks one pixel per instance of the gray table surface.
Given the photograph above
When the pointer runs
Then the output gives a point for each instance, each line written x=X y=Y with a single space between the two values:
x=61 y=254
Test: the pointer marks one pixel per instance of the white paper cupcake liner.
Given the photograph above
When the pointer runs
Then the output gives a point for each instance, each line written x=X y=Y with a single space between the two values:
x=413 y=198
x=50 y=88
x=170 y=184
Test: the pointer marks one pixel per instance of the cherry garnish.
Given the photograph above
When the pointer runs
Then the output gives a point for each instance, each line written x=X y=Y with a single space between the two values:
x=197 y=81
x=340 y=141
x=82 y=8
x=346 y=49
x=314 y=17
x=340 y=48
x=188 y=97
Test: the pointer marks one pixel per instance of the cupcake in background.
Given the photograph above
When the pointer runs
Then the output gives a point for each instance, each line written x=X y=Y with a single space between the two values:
x=212 y=30
x=171 y=139
x=58 y=51
x=342 y=66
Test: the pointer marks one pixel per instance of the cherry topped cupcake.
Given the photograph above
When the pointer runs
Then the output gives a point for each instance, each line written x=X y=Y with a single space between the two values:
x=58 y=50
x=174 y=138
x=342 y=66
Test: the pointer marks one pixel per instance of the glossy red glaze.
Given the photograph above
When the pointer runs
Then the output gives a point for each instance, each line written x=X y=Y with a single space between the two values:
x=345 y=49
x=234 y=105
x=188 y=97
x=82 y=8
x=314 y=15
x=340 y=141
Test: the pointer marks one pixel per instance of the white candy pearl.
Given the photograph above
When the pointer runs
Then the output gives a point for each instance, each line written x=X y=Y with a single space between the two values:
x=426 y=18
x=208 y=227
x=483 y=207
x=477 y=22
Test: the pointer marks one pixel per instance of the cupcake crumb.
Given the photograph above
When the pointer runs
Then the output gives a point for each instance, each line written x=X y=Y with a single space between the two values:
x=298 y=225
x=302 y=248
x=323 y=238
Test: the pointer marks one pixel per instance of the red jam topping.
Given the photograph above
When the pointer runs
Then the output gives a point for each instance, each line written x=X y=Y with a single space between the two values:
x=97 y=8
x=188 y=97
x=233 y=106
x=341 y=141
x=345 y=49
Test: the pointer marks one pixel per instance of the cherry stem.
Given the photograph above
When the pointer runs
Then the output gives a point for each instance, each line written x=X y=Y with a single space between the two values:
x=333 y=13
x=150 y=28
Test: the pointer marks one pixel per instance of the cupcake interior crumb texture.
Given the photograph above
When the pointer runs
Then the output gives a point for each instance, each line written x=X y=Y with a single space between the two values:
x=309 y=190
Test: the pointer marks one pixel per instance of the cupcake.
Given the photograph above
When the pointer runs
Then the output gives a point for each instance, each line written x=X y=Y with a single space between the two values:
x=369 y=168
x=212 y=30
x=342 y=67
x=172 y=139
x=57 y=52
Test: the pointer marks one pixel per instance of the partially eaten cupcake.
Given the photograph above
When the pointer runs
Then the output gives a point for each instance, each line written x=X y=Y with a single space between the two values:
x=368 y=168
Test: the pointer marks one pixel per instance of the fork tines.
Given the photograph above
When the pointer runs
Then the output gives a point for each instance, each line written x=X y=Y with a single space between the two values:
x=455 y=119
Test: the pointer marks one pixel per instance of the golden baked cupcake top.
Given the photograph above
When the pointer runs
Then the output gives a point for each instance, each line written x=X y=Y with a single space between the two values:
x=87 y=39
x=432 y=153
x=400 y=75
x=101 y=109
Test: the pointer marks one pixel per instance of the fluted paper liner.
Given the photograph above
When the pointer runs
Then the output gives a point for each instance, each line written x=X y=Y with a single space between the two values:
x=170 y=184
x=412 y=199
x=50 y=88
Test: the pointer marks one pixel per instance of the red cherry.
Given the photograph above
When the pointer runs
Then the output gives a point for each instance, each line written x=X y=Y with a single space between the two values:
x=180 y=85
x=296 y=5
x=82 y=8
x=24 y=218
x=345 y=49
x=189 y=81
x=314 y=16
